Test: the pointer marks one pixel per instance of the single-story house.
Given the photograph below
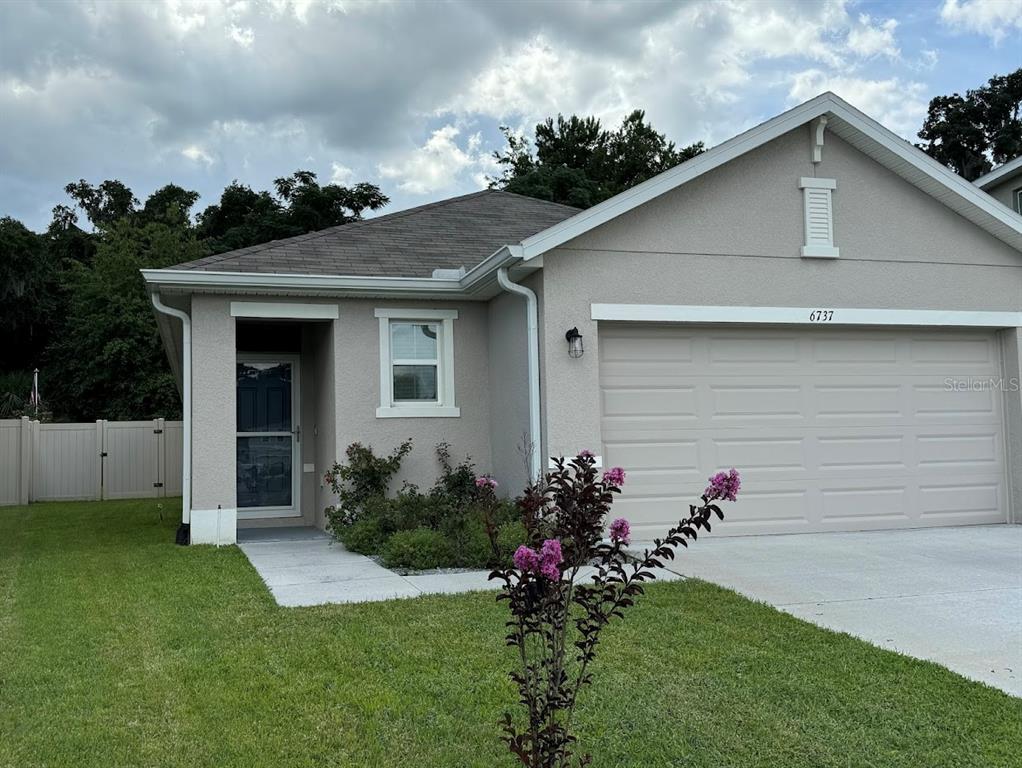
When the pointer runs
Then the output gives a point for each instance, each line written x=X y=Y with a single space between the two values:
x=815 y=301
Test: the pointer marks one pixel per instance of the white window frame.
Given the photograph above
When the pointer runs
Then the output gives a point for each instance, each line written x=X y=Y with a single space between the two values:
x=445 y=406
x=1016 y=199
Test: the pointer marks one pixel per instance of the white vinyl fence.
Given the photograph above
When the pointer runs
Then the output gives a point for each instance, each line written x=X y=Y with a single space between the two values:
x=99 y=460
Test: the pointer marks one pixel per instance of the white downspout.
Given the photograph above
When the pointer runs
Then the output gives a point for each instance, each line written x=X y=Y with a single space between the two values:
x=186 y=403
x=532 y=330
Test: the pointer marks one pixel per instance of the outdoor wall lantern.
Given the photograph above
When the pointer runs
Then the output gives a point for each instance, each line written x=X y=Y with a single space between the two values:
x=575 y=348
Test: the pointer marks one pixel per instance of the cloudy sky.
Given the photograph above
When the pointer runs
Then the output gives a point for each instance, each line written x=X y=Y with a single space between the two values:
x=411 y=95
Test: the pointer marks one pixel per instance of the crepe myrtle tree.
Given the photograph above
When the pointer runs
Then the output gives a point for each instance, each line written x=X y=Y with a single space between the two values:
x=557 y=613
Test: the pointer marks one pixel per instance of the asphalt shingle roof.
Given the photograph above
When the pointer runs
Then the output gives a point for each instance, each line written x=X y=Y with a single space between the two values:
x=447 y=234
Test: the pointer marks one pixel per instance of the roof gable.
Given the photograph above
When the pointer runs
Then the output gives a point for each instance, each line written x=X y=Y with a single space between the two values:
x=854 y=127
x=1002 y=173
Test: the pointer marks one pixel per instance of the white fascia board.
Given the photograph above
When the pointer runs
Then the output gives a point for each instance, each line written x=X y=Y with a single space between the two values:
x=227 y=281
x=284 y=310
x=826 y=103
x=927 y=165
x=671 y=313
x=999 y=173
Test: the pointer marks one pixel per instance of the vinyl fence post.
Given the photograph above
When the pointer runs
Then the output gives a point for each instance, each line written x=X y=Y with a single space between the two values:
x=100 y=454
x=25 y=460
x=34 y=490
x=159 y=433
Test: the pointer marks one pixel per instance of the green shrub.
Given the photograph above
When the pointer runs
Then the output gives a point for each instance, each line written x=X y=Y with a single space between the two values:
x=510 y=536
x=364 y=478
x=363 y=536
x=419 y=549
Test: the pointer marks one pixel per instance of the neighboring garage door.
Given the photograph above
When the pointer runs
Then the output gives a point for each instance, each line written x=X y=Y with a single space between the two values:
x=832 y=429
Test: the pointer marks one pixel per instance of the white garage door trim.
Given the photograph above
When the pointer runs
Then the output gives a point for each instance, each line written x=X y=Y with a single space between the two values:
x=621 y=380
x=674 y=313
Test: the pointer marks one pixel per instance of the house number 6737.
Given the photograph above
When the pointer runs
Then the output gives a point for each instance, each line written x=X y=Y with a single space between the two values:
x=821 y=316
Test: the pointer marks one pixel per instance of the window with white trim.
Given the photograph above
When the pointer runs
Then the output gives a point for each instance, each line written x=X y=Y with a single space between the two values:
x=417 y=363
x=1017 y=200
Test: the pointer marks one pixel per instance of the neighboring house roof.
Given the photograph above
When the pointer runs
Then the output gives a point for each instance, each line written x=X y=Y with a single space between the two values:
x=1001 y=173
x=448 y=234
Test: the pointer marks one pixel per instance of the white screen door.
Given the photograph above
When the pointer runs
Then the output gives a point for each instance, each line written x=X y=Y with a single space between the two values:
x=267 y=399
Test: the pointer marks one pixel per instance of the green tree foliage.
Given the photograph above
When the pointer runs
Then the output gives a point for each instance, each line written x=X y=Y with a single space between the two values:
x=973 y=133
x=28 y=296
x=576 y=161
x=108 y=361
x=244 y=217
x=72 y=300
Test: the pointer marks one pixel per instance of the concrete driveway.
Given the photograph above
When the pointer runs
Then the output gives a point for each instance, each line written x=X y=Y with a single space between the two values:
x=950 y=595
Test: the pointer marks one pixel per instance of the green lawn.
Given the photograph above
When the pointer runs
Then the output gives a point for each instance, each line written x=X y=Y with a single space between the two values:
x=118 y=648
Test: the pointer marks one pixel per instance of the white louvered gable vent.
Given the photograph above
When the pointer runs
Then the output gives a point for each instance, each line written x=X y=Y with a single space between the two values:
x=819 y=217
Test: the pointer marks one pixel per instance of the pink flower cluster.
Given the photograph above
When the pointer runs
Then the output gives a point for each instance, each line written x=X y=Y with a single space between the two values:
x=546 y=562
x=614 y=476
x=485 y=481
x=724 y=485
x=585 y=453
x=620 y=531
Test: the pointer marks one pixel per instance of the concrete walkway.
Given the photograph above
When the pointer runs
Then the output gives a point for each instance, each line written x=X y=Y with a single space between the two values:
x=304 y=566
x=950 y=595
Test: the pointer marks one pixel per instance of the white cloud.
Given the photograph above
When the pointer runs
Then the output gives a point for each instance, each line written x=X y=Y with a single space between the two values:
x=868 y=39
x=436 y=164
x=900 y=105
x=993 y=18
x=340 y=174
x=243 y=36
x=197 y=154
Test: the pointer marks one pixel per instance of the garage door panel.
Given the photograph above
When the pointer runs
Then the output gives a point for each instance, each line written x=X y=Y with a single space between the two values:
x=676 y=401
x=851 y=352
x=753 y=349
x=956 y=503
x=958 y=350
x=834 y=429
x=867 y=505
x=679 y=456
x=857 y=453
x=753 y=402
x=946 y=452
x=940 y=401
x=863 y=400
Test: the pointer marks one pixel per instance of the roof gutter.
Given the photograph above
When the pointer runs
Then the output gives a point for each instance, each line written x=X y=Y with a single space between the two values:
x=532 y=335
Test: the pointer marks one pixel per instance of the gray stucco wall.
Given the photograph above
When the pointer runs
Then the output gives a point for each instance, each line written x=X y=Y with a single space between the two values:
x=509 y=391
x=357 y=384
x=214 y=414
x=732 y=237
x=340 y=391
x=323 y=434
x=1004 y=192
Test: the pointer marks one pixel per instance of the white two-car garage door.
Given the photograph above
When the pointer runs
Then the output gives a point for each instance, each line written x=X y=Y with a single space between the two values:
x=833 y=429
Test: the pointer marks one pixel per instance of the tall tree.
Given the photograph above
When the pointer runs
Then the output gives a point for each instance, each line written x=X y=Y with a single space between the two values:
x=28 y=303
x=973 y=133
x=576 y=161
x=108 y=361
x=244 y=217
